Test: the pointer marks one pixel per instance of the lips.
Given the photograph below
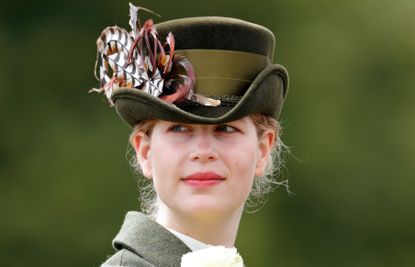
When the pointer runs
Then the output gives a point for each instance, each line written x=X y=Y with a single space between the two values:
x=203 y=179
x=202 y=176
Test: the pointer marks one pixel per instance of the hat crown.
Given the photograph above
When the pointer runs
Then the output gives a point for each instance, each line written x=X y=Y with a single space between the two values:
x=219 y=33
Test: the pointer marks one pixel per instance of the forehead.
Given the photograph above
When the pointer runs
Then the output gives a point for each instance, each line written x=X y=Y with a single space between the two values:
x=245 y=121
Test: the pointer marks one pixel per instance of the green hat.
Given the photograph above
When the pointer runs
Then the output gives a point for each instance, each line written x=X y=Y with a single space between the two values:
x=232 y=63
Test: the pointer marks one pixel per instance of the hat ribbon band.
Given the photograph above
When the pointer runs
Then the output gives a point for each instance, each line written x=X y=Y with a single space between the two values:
x=224 y=72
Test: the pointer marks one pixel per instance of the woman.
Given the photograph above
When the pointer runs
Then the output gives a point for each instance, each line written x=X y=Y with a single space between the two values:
x=204 y=107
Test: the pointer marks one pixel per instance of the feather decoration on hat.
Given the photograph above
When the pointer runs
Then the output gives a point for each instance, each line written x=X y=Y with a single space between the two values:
x=138 y=60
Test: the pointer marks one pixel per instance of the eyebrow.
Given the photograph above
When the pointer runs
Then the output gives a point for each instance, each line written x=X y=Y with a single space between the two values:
x=243 y=120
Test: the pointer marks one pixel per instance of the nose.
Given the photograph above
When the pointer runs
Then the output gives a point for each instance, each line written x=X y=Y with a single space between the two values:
x=204 y=149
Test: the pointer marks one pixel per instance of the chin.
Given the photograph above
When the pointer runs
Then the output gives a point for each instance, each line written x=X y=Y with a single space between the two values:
x=206 y=210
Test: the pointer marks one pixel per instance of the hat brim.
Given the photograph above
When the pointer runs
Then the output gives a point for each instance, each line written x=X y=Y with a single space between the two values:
x=265 y=95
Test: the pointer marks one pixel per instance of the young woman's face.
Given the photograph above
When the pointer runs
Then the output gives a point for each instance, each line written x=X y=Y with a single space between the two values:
x=203 y=169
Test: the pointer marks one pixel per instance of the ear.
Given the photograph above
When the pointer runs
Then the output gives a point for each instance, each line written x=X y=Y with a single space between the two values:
x=265 y=145
x=141 y=143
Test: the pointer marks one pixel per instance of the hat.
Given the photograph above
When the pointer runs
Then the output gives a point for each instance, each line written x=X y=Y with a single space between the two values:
x=226 y=63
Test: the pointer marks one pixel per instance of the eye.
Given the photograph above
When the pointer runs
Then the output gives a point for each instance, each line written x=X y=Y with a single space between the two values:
x=179 y=128
x=225 y=128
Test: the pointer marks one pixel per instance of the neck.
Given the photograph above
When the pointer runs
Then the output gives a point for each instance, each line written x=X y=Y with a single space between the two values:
x=212 y=229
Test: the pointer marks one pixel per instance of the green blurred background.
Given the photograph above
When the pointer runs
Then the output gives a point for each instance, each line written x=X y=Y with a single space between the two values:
x=65 y=184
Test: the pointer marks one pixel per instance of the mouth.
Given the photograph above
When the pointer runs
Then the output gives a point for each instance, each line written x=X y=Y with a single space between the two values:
x=203 y=179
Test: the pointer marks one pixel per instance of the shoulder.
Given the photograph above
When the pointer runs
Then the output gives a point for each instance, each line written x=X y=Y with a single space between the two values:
x=124 y=257
x=143 y=242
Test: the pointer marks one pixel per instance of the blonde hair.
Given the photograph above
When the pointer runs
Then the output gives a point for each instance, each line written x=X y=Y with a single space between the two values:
x=261 y=185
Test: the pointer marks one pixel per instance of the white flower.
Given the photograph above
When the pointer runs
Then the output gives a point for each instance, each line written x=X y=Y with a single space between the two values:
x=213 y=256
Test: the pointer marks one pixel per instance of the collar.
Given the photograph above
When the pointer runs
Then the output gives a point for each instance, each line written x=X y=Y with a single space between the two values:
x=192 y=243
x=148 y=239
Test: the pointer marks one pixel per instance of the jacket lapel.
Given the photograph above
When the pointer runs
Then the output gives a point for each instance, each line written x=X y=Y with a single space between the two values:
x=150 y=241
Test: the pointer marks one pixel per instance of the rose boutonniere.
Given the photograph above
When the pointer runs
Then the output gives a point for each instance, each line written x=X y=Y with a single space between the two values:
x=213 y=256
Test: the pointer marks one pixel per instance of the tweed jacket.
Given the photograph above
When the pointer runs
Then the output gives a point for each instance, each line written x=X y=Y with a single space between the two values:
x=143 y=242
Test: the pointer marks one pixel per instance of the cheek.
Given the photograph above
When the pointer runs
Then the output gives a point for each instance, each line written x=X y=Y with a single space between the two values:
x=246 y=166
x=161 y=170
x=249 y=158
x=166 y=163
x=161 y=159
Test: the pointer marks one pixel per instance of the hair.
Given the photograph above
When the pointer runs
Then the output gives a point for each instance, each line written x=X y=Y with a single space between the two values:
x=261 y=187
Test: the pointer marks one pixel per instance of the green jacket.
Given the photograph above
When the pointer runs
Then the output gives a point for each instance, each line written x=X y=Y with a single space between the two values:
x=143 y=242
